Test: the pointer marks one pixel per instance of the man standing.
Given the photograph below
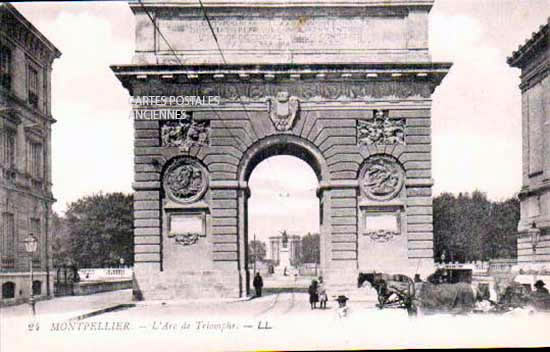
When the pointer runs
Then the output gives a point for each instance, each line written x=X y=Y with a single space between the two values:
x=258 y=284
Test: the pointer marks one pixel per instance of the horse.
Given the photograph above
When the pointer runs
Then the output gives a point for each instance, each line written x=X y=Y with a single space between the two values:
x=400 y=291
x=393 y=290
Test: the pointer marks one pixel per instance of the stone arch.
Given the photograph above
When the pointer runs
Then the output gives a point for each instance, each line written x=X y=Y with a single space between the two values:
x=283 y=145
x=8 y=290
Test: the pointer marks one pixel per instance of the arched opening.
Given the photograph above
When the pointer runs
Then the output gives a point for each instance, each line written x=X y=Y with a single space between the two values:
x=8 y=290
x=283 y=218
x=37 y=287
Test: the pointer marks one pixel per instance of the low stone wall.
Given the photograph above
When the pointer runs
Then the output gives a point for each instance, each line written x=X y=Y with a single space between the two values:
x=91 y=287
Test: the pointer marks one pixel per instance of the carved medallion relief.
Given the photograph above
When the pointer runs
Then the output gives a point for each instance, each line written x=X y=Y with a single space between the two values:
x=185 y=181
x=382 y=177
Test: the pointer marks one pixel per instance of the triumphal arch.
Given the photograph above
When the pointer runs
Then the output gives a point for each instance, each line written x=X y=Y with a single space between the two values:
x=344 y=85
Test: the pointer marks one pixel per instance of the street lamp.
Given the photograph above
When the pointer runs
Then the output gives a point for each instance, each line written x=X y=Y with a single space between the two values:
x=31 y=243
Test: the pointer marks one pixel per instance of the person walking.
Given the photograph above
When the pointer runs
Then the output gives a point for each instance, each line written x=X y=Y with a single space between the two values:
x=322 y=294
x=313 y=297
x=258 y=284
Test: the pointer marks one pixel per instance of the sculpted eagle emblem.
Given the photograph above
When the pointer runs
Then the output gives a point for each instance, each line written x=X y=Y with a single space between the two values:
x=282 y=110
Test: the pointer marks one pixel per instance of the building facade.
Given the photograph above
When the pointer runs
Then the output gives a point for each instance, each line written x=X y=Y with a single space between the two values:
x=533 y=58
x=345 y=86
x=26 y=58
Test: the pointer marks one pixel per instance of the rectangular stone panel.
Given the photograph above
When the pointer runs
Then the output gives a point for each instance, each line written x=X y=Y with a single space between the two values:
x=344 y=246
x=343 y=220
x=224 y=221
x=419 y=219
x=420 y=236
x=418 y=148
x=344 y=229
x=145 y=168
x=145 y=185
x=143 y=159
x=418 y=165
x=349 y=212
x=343 y=175
x=345 y=237
x=221 y=238
x=147 y=248
x=418 y=131
x=146 y=195
x=224 y=204
x=420 y=253
x=344 y=255
x=223 y=256
x=154 y=133
x=417 y=139
x=419 y=210
x=420 y=227
x=225 y=247
x=146 y=222
x=146 y=205
x=147 y=176
x=343 y=193
x=223 y=194
x=419 y=191
x=147 y=142
x=144 y=124
x=420 y=245
x=343 y=203
x=146 y=257
x=153 y=231
x=140 y=240
x=146 y=151
x=221 y=212
x=229 y=230
x=419 y=122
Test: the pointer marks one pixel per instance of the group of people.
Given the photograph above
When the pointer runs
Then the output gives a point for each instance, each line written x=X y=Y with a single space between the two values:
x=317 y=293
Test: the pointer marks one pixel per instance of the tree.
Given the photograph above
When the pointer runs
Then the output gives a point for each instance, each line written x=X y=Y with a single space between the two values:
x=470 y=227
x=311 y=247
x=101 y=229
x=60 y=241
x=256 y=251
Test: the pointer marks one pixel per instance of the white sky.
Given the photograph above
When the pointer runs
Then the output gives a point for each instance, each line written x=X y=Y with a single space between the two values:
x=476 y=110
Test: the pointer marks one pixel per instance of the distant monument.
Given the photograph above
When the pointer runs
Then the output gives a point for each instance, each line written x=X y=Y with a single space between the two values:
x=285 y=250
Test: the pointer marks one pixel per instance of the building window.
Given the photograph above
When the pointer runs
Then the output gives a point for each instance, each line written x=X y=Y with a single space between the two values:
x=8 y=241
x=32 y=84
x=5 y=67
x=8 y=148
x=8 y=290
x=34 y=159
x=37 y=288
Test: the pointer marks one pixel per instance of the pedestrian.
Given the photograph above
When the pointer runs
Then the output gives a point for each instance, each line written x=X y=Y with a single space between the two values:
x=322 y=294
x=258 y=284
x=540 y=289
x=313 y=297
x=342 y=310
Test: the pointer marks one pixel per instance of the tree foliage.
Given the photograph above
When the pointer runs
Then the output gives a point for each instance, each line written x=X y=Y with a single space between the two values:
x=471 y=227
x=311 y=248
x=256 y=251
x=100 y=228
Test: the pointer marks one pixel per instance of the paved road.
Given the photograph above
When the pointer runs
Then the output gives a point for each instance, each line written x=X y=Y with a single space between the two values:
x=279 y=321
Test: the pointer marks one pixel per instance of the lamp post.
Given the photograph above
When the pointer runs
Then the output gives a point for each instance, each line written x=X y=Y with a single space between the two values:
x=31 y=243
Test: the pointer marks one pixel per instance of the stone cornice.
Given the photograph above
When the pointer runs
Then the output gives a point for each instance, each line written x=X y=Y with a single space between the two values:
x=134 y=4
x=532 y=46
x=307 y=82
